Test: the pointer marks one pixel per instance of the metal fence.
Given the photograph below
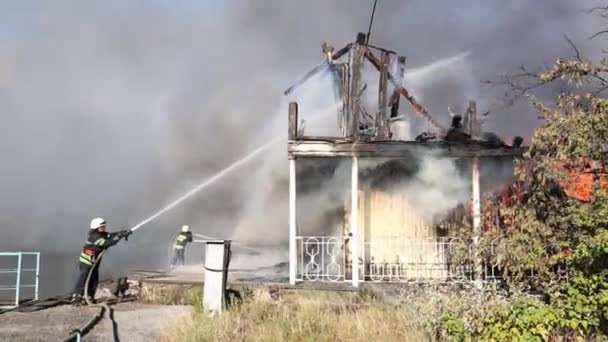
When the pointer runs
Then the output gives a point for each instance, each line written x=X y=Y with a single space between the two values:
x=321 y=258
x=394 y=259
x=20 y=275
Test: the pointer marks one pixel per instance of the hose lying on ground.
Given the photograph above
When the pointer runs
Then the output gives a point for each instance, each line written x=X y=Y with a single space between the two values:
x=76 y=334
x=57 y=299
x=105 y=308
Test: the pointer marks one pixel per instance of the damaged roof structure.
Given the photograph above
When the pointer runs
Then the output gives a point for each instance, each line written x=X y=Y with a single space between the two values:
x=378 y=134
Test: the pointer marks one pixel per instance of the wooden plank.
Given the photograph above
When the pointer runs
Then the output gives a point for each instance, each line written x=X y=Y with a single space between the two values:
x=381 y=117
x=394 y=101
x=473 y=121
x=353 y=96
x=293 y=121
x=320 y=67
x=418 y=108
x=345 y=97
x=396 y=149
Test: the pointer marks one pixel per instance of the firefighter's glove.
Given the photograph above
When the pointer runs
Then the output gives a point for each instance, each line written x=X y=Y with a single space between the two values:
x=124 y=234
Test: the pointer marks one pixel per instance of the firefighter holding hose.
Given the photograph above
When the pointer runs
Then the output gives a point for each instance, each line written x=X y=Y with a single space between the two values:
x=98 y=241
x=184 y=236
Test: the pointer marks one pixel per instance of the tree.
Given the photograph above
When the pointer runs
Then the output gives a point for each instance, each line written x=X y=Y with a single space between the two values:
x=557 y=242
x=555 y=225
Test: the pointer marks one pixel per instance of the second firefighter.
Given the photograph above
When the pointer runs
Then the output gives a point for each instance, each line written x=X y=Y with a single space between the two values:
x=179 y=249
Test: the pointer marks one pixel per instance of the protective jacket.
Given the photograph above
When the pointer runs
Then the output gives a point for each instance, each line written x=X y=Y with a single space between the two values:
x=182 y=240
x=96 y=243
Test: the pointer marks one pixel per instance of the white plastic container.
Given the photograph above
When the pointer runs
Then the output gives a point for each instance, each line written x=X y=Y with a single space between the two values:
x=400 y=129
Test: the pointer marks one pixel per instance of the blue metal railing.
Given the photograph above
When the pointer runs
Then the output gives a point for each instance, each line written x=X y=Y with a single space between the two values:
x=22 y=259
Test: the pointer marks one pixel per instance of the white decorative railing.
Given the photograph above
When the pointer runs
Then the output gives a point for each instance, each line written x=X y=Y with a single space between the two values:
x=321 y=258
x=410 y=260
x=391 y=259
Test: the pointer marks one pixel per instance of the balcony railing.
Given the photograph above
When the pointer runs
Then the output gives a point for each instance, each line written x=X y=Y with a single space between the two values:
x=392 y=259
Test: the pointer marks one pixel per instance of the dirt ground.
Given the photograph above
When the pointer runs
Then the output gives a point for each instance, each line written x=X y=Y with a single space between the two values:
x=136 y=322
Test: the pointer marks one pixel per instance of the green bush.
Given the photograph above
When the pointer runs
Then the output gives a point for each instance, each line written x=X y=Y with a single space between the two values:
x=583 y=304
x=453 y=327
x=577 y=310
x=527 y=319
x=574 y=309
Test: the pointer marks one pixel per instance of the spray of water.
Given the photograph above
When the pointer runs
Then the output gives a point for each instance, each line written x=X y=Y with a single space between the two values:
x=317 y=116
x=430 y=70
x=207 y=182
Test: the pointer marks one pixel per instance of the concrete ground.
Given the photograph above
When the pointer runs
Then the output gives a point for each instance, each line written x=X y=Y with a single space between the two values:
x=135 y=322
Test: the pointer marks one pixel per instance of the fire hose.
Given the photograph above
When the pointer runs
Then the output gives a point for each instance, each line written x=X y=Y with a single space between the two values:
x=76 y=334
x=95 y=264
x=31 y=303
x=86 y=284
x=105 y=309
x=240 y=244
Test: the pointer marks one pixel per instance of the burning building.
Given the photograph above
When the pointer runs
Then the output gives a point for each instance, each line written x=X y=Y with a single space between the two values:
x=386 y=233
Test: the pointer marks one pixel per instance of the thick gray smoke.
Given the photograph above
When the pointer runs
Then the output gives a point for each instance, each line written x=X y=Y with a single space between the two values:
x=114 y=108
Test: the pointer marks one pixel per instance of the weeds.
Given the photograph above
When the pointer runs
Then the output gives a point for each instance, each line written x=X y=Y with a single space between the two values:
x=170 y=295
x=298 y=318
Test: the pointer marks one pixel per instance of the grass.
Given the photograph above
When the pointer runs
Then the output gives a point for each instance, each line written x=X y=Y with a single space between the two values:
x=170 y=294
x=301 y=317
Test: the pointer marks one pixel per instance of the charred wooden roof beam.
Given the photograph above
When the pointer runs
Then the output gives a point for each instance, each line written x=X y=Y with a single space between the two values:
x=418 y=108
x=328 y=148
x=321 y=67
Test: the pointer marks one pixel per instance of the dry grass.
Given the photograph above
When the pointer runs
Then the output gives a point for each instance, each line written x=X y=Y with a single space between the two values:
x=166 y=294
x=300 y=318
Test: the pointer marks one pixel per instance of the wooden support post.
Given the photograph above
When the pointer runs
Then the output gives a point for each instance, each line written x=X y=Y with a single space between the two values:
x=354 y=221
x=381 y=117
x=472 y=121
x=366 y=234
x=418 y=108
x=293 y=121
x=293 y=256
x=354 y=87
x=324 y=65
x=344 y=128
x=477 y=221
x=396 y=95
x=337 y=82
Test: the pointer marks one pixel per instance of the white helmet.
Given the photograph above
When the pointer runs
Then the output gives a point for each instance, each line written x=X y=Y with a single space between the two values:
x=185 y=228
x=97 y=222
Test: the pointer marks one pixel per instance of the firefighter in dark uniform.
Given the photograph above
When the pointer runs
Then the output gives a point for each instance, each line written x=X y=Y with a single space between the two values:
x=98 y=241
x=179 y=248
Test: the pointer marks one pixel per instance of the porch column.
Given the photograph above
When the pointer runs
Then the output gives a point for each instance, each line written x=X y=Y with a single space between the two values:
x=354 y=220
x=293 y=256
x=477 y=221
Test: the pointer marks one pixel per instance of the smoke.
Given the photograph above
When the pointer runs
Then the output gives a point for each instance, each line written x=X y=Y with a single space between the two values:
x=116 y=108
x=437 y=187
